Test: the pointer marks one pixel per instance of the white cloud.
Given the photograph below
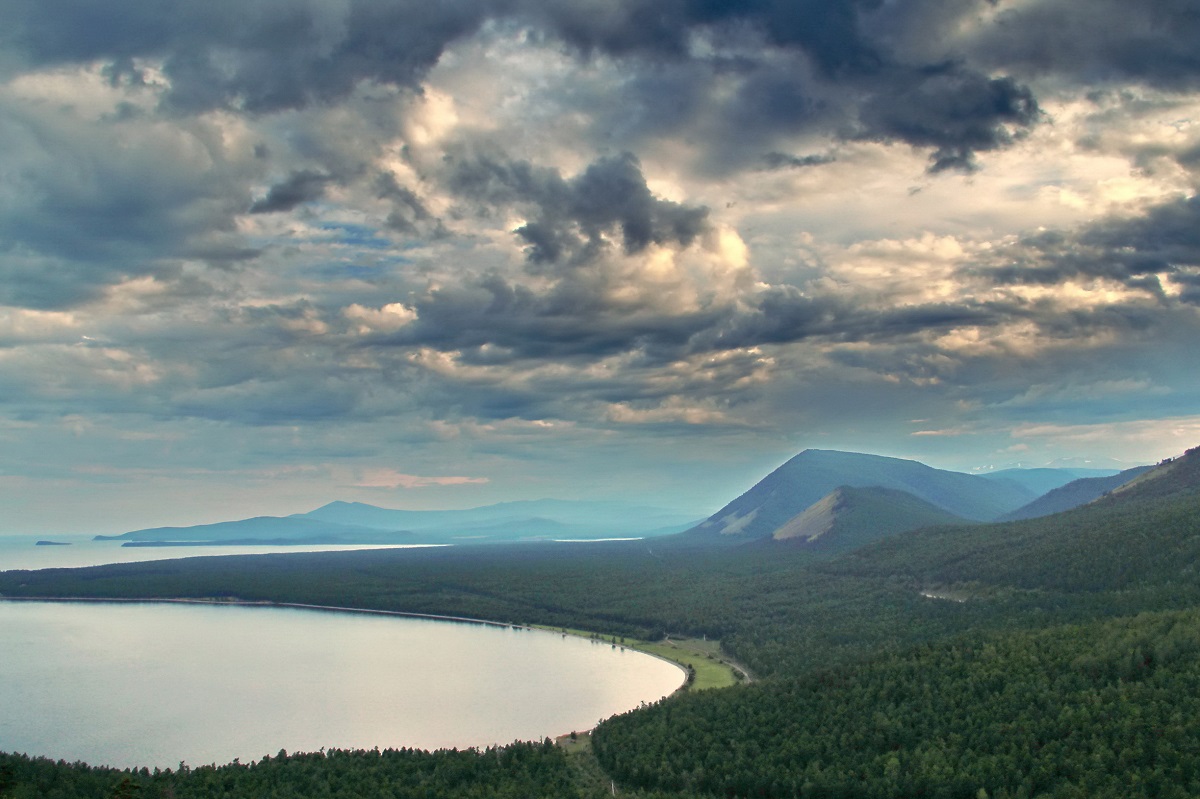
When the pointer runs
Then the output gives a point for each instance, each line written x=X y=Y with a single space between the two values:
x=392 y=479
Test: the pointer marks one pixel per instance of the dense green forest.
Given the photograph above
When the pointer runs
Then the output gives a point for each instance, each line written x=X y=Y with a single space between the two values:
x=1099 y=710
x=516 y=771
x=1049 y=657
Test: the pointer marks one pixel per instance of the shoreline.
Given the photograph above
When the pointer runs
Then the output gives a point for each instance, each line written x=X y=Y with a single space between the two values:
x=263 y=603
x=267 y=603
x=587 y=635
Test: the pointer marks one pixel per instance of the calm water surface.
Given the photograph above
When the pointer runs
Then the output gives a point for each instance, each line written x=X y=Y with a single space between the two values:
x=155 y=684
x=22 y=551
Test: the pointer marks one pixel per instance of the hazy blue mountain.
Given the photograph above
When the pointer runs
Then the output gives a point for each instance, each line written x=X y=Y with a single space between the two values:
x=1074 y=494
x=578 y=517
x=811 y=475
x=358 y=523
x=849 y=517
x=266 y=529
x=1042 y=480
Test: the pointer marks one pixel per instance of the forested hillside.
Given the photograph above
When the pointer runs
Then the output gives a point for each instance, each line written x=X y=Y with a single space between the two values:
x=1099 y=710
x=1073 y=494
x=1141 y=536
x=518 y=771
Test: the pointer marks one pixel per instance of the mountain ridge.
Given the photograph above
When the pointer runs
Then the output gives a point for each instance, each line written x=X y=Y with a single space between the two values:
x=812 y=474
x=341 y=522
x=1073 y=494
x=850 y=517
x=1146 y=531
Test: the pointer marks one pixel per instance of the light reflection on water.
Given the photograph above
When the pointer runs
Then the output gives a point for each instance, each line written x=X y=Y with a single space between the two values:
x=22 y=552
x=154 y=684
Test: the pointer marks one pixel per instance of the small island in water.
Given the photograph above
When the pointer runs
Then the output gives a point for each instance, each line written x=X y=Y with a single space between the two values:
x=45 y=543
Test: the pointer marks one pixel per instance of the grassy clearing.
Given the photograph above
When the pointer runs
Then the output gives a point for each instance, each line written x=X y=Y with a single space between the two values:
x=580 y=744
x=701 y=655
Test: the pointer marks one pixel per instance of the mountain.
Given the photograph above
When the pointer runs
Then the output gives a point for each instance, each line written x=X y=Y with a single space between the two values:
x=1073 y=494
x=813 y=474
x=265 y=529
x=849 y=517
x=359 y=523
x=1143 y=535
x=1045 y=479
x=578 y=517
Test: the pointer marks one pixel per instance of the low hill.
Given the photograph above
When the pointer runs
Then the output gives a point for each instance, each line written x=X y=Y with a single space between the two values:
x=849 y=518
x=1073 y=494
x=813 y=474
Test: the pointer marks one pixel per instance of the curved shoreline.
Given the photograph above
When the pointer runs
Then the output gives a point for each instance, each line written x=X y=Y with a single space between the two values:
x=259 y=603
x=267 y=603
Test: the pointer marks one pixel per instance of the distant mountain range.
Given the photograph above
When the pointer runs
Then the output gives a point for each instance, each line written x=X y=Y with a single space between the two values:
x=1073 y=494
x=1039 y=480
x=1140 y=533
x=359 y=523
x=840 y=500
x=823 y=499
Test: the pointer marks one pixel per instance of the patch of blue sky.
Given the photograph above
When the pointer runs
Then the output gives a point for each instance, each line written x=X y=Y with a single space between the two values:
x=358 y=236
x=360 y=271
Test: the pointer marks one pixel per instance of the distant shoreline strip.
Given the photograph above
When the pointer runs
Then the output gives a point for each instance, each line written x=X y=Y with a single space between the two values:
x=266 y=603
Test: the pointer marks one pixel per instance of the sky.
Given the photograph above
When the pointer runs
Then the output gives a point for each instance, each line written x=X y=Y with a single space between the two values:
x=260 y=255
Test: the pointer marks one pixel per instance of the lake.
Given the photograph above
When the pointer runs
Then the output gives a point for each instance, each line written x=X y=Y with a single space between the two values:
x=153 y=684
x=22 y=551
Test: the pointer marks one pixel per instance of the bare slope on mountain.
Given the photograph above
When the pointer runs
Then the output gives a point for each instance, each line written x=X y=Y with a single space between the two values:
x=813 y=474
x=1145 y=533
x=1073 y=494
x=852 y=517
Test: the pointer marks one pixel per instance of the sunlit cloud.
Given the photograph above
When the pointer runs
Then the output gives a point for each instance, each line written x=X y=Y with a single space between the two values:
x=389 y=478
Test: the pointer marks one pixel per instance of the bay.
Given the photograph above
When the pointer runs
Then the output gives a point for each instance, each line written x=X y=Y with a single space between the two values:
x=154 y=684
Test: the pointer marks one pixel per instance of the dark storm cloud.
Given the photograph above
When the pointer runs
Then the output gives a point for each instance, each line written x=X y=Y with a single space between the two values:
x=777 y=160
x=827 y=31
x=259 y=55
x=568 y=321
x=88 y=206
x=785 y=315
x=1168 y=234
x=571 y=220
x=299 y=188
x=491 y=321
x=858 y=87
x=1156 y=42
x=264 y=56
x=955 y=111
x=1165 y=240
